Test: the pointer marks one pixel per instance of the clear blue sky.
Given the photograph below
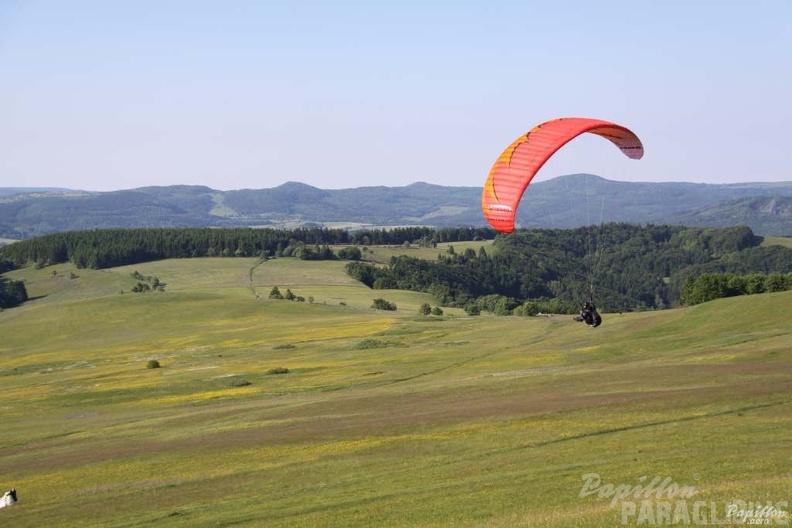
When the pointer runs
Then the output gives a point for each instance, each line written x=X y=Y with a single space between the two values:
x=102 y=95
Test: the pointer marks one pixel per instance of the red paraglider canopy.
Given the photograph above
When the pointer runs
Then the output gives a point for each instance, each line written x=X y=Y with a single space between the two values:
x=519 y=163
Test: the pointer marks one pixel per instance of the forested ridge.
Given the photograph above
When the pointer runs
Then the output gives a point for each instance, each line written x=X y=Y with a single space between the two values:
x=621 y=266
x=765 y=207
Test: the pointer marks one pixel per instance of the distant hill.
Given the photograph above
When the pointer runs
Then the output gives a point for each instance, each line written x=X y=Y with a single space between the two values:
x=7 y=191
x=564 y=202
x=765 y=215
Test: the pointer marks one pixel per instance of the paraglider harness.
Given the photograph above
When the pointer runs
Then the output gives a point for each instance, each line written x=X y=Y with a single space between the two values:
x=589 y=315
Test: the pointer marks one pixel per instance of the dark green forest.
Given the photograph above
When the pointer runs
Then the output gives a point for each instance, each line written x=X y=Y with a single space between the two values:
x=710 y=286
x=12 y=293
x=622 y=267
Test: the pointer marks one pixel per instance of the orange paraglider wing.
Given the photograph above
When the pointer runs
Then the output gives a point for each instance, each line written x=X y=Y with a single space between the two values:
x=519 y=163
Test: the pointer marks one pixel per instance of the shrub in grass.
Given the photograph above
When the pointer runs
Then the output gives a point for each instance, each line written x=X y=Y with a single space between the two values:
x=382 y=304
x=239 y=382
x=376 y=343
x=472 y=309
x=370 y=343
x=152 y=364
x=278 y=370
x=437 y=311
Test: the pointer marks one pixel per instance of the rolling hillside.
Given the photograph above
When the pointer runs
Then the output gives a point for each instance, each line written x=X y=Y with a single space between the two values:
x=567 y=201
x=384 y=418
x=765 y=214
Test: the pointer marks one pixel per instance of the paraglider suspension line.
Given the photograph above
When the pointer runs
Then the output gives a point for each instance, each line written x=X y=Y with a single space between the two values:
x=594 y=250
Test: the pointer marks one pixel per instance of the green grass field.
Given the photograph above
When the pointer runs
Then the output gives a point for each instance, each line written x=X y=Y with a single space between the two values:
x=383 y=254
x=777 y=241
x=384 y=418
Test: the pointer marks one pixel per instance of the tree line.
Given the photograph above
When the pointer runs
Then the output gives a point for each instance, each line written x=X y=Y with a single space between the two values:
x=106 y=248
x=12 y=292
x=710 y=286
x=621 y=267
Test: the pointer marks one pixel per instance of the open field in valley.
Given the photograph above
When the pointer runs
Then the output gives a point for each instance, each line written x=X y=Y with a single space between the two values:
x=777 y=241
x=384 y=418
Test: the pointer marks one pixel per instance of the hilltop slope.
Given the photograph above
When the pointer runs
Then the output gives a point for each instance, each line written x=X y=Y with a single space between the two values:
x=384 y=418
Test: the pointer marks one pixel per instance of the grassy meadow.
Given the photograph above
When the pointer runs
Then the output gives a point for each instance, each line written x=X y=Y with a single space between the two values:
x=384 y=418
x=383 y=254
x=777 y=241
